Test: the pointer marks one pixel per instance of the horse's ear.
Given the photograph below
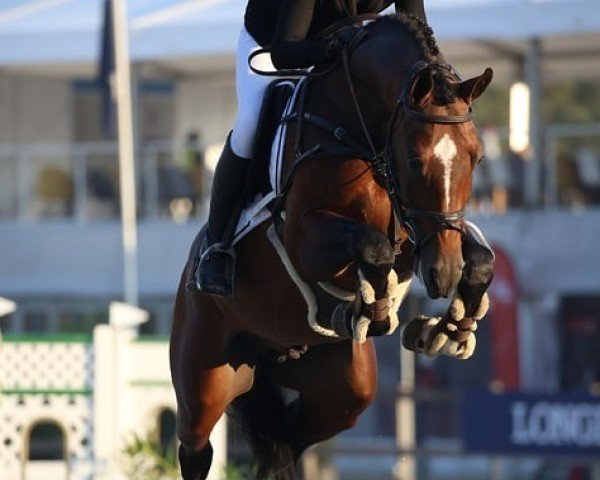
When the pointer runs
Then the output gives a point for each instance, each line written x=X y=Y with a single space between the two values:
x=471 y=89
x=421 y=88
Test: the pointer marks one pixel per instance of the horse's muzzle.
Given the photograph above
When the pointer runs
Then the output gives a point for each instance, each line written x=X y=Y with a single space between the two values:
x=442 y=278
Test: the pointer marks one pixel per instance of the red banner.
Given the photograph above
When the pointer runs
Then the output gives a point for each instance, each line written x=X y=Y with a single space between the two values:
x=504 y=318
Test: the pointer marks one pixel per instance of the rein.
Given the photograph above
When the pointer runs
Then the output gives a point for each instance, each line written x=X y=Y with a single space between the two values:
x=382 y=161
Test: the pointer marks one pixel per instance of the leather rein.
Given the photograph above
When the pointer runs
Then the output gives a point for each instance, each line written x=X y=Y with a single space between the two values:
x=382 y=161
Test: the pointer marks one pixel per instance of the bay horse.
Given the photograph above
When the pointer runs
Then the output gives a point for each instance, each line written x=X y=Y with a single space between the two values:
x=379 y=157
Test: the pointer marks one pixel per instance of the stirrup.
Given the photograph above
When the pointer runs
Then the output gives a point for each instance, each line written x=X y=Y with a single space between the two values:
x=215 y=271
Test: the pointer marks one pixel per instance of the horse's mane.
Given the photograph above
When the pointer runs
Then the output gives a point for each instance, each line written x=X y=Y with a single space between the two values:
x=422 y=33
x=444 y=93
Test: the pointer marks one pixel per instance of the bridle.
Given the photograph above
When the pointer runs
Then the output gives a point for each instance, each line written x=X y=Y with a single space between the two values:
x=383 y=160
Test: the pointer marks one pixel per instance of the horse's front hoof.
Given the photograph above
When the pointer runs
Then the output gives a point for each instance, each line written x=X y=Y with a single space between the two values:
x=432 y=336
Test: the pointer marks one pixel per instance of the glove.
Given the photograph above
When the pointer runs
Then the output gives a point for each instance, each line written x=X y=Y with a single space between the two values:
x=347 y=36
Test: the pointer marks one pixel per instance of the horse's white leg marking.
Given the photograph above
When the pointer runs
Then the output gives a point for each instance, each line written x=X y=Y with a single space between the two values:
x=445 y=151
x=396 y=292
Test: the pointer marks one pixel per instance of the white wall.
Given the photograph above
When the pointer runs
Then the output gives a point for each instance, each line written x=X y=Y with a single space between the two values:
x=35 y=110
x=206 y=104
x=67 y=258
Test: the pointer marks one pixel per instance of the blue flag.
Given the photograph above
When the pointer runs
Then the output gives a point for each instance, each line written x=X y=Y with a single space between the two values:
x=106 y=69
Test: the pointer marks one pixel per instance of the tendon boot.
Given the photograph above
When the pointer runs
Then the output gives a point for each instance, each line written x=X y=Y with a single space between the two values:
x=195 y=465
x=216 y=268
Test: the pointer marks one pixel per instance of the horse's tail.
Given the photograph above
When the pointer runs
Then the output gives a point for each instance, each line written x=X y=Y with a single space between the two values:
x=261 y=413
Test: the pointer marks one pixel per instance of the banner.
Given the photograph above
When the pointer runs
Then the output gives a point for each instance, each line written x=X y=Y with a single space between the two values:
x=562 y=424
x=503 y=318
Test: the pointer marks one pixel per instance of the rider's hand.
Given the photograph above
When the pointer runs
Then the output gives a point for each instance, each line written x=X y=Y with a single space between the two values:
x=346 y=36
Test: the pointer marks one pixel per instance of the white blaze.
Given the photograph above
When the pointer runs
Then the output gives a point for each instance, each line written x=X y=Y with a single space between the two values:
x=445 y=151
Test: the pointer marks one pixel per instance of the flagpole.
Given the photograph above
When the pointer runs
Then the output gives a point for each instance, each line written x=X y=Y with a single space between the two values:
x=126 y=149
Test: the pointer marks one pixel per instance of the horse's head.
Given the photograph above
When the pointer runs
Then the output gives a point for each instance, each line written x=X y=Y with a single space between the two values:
x=436 y=149
x=430 y=141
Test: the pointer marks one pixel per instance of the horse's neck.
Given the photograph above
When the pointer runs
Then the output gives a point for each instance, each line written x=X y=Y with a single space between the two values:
x=332 y=99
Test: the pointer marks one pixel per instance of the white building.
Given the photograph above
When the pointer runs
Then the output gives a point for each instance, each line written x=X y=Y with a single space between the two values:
x=70 y=403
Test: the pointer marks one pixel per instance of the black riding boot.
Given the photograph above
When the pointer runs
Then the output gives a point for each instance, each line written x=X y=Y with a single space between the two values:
x=216 y=268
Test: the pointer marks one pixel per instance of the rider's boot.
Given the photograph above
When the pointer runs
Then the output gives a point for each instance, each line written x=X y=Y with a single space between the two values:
x=215 y=271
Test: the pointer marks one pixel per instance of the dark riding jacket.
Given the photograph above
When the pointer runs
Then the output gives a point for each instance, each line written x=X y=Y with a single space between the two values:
x=290 y=27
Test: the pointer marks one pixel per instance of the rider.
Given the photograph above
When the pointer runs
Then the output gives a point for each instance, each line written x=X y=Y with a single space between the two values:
x=290 y=28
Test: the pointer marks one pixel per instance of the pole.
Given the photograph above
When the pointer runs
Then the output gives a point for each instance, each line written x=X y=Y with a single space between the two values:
x=126 y=150
x=534 y=165
x=406 y=440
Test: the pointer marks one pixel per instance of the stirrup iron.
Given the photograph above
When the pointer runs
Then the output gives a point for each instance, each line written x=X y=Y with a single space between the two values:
x=218 y=265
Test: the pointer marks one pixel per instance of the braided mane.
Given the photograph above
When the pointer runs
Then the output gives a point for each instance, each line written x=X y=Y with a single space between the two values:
x=444 y=91
x=422 y=32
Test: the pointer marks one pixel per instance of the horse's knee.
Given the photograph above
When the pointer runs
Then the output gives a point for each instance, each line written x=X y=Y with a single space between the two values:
x=478 y=256
x=479 y=266
x=375 y=256
x=373 y=249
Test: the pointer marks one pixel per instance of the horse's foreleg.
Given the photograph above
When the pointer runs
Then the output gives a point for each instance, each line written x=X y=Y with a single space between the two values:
x=204 y=382
x=453 y=334
x=328 y=246
x=478 y=272
x=329 y=243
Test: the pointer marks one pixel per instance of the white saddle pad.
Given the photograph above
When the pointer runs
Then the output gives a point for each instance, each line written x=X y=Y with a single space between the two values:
x=257 y=212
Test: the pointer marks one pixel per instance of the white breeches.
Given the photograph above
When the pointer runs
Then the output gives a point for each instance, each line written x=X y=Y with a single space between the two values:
x=250 y=88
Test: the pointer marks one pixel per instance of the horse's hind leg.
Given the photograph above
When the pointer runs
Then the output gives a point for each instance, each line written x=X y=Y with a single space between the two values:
x=204 y=382
x=336 y=383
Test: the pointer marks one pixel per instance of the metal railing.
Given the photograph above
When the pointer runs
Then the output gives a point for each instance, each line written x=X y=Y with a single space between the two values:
x=80 y=181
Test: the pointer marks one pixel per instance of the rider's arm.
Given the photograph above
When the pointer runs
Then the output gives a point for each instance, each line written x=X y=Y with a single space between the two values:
x=290 y=48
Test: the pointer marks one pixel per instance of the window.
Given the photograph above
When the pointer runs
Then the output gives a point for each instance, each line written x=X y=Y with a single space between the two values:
x=46 y=442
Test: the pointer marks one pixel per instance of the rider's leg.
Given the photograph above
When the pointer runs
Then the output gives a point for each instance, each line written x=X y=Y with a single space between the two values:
x=215 y=272
x=216 y=268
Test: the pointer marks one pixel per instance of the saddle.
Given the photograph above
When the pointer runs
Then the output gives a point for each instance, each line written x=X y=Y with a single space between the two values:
x=275 y=101
x=262 y=183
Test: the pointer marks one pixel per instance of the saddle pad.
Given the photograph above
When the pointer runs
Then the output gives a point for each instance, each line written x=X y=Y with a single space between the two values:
x=257 y=211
